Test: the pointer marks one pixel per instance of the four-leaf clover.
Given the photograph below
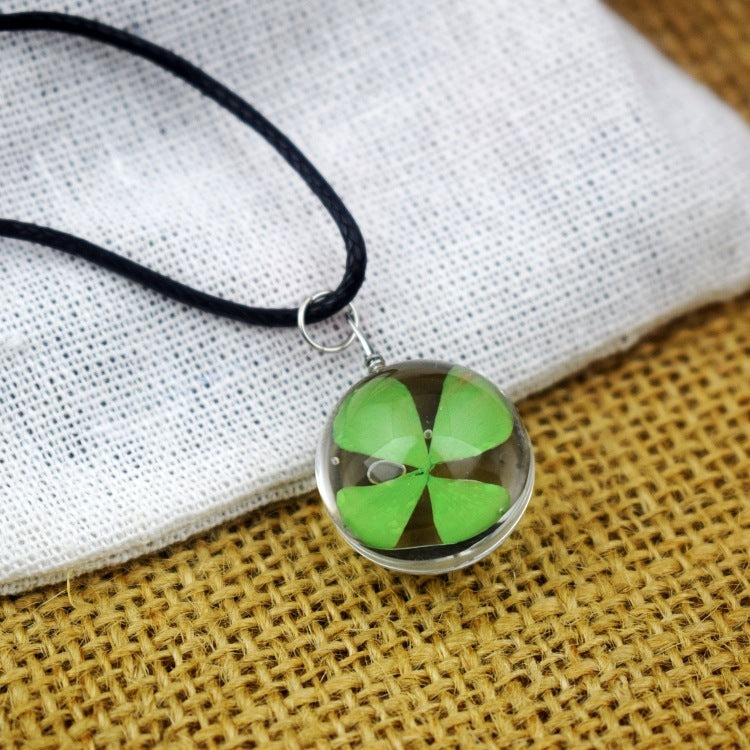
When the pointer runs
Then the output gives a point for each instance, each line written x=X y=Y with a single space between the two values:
x=380 y=419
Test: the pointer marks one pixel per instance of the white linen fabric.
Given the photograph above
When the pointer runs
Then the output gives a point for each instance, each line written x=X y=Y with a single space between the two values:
x=537 y=187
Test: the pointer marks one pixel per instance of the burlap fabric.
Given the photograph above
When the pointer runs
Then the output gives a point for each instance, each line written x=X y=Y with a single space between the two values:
x=618 y=615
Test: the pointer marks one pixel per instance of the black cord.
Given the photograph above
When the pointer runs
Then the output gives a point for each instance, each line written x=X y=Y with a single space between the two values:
x=356 y=257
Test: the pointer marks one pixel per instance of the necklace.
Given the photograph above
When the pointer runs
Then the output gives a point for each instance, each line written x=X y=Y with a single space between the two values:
x=424 y=466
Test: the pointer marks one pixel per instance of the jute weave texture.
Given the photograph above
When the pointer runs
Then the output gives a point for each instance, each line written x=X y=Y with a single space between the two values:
x=618 y=615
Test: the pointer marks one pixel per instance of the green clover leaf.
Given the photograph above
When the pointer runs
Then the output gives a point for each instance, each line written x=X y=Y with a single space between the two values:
x=463 y=508
x=378 y=514
x=380 y=419
x=471 y=418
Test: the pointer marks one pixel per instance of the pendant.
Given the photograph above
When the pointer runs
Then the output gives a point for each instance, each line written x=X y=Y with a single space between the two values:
x=425 y=467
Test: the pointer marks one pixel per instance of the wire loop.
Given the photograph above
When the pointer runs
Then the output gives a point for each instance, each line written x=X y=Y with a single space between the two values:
x=352 y=318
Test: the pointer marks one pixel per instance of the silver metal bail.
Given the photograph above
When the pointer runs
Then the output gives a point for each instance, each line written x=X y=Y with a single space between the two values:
x=373 y=360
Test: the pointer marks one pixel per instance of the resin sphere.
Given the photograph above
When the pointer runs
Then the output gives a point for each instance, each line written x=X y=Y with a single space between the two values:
x=425 y=467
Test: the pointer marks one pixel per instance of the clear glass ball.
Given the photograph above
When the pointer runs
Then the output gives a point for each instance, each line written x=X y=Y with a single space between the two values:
x=425 y=467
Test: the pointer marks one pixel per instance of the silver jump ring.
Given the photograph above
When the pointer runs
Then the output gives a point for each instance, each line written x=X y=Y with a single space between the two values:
x=351 y=314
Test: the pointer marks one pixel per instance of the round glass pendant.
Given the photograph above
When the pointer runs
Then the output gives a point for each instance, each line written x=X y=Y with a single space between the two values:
x=425 y=467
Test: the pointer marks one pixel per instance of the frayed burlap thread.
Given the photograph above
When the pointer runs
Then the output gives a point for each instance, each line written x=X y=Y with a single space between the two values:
x=618 y=614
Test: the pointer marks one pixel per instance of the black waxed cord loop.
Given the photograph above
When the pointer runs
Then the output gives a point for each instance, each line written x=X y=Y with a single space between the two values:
x=356 y=257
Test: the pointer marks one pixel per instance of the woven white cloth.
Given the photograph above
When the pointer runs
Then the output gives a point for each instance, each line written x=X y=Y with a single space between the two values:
x=536 y=185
